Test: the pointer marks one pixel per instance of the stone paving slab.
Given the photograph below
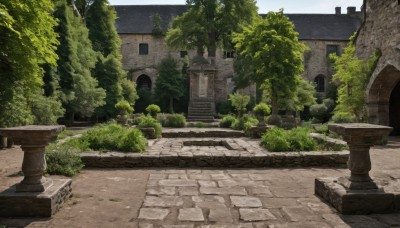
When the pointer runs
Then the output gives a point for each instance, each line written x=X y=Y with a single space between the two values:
x=213 y=152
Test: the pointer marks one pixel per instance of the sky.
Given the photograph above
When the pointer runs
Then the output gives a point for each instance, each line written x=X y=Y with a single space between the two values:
x=289 y=6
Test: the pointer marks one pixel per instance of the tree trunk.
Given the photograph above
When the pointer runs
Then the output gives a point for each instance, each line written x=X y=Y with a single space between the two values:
x=171 y=104
x=274 y=119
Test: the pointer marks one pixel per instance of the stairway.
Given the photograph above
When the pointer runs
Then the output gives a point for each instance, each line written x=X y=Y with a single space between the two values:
x=201 y=111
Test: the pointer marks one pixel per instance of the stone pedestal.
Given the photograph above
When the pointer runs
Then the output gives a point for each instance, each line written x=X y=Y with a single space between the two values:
x=357 y=193
x=34 y=192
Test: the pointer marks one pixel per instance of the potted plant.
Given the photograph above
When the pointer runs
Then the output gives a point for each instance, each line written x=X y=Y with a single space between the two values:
x=124 y=109
x=153 y=110
x=260 y=111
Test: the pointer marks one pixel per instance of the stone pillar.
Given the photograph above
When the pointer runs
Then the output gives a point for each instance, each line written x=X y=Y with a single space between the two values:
x=35 y=195
x=357 y=193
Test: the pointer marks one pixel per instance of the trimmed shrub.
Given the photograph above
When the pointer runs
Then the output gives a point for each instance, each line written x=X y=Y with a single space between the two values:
x=261 y=109
x=319 y=112
x=175 y=120
x=109 y=137
x=239 y=102
x=124 y=107
x=296 y=139
x=227 y=121
x=276 y=140
x=63 y=160
x=244 y=122
x=153 y=110
x=146 y=121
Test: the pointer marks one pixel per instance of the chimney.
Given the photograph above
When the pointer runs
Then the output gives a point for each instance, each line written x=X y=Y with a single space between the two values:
x=351 y=10
x=338 y=10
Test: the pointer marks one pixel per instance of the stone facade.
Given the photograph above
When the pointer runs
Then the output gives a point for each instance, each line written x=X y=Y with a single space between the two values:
x=316 y=31
x=381 y=30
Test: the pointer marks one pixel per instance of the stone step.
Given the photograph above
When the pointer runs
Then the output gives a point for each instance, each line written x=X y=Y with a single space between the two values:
x=200 y=120
x=200 y=109
x=200 y=114
x=208 y=117
x=201 y=105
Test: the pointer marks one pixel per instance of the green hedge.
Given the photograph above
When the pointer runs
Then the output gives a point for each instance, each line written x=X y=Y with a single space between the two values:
x=296 y=139
x=175 y=120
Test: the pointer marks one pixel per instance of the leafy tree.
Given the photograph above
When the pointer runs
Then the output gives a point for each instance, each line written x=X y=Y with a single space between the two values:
x=100 y=20
x=27 y=41
x=129 y=91
x=169 y=83
x=157 y=29
x=352 y=76
x=304 y=95
x=209 y=24
x=274 y=51
x=80 y=91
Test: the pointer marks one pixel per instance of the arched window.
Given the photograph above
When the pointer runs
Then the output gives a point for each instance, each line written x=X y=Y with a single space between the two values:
x=143 y=82
x=320 y=83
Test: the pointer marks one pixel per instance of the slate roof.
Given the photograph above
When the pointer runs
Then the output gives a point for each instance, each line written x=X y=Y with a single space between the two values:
x=138 y=19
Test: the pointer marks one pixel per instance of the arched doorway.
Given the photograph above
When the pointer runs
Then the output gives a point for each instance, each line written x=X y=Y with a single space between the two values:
x=143 y=82
x=394 y=110
x=383 y=94
x=320 y=83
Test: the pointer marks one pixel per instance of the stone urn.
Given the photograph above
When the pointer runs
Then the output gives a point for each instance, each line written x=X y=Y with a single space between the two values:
x=149 y=132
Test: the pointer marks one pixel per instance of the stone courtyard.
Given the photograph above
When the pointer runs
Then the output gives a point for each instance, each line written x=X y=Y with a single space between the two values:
x=204 y=197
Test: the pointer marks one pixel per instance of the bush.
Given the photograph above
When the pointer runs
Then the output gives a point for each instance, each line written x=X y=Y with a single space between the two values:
x=108 y=137
x=276 y=140
x=227 y=121
x=146 y=121
x=224 y=107
x=343 y=117
x=46 y=110
x=63 y=160
x=153 y=110
x=239 y=102
x=261 y=109
x=123 y=107
x=64 y=134
x=322 y=129
x=175 y=120
x=296 y=139
x=244 y=122
x=319 y=112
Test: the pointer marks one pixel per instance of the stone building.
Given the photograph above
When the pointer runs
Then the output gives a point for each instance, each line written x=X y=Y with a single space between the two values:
x=142 y=51
x=381 y=30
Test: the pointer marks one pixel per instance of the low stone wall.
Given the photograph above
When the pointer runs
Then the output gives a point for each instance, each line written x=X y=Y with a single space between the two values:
x=270 y=160
x=201 y=133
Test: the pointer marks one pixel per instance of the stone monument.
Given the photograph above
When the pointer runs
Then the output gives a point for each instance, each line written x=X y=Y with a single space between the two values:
x=35 y=195
x=202 y=91
x=357 y=193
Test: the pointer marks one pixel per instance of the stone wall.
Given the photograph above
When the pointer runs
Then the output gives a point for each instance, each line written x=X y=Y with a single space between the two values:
x=381 y=30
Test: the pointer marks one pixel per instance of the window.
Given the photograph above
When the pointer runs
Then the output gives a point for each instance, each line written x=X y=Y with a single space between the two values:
x=183 y=54
x=320 y=83
x=143 y=49
x=332 y=49
x=229 y=54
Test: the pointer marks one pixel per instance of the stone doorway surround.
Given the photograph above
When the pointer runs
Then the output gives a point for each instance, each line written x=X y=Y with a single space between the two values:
x=378 y=95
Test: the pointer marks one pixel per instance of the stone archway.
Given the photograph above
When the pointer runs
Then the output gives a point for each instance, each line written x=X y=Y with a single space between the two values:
x=144 y=82
x=382 y=92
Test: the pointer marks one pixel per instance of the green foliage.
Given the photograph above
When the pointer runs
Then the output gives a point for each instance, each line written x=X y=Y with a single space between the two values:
x=175 y=120
x=147 y=121
x=80 y=92
x=113 y=137
x=304 y=95
x=296 y=139
x=208 y=24
x=124 y=107
x=153 y=110
x=200 y=125
x=227 y=121
x=244 y=122
x=344 y=117
x=63 y=160
x=145 y=99
x=64 y=134
x=129 y=91
x=224 y=107
x=352 y=75
x=46 y=110
x=239 y=102
x=157 y=29
x=322 y=129
x=274 y=53
x=27 y=42
x=169 y=83
x=108 y=71
x=261 y=109
x=322 y=112
x=100 y=19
